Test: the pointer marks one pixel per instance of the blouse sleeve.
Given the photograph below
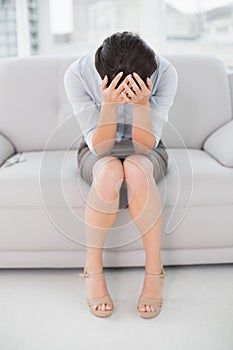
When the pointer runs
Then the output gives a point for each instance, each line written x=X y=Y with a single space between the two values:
x=85 y=109
x=162 y=99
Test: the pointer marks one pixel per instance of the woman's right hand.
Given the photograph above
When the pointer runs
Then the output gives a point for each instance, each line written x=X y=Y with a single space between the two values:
x=111 y=94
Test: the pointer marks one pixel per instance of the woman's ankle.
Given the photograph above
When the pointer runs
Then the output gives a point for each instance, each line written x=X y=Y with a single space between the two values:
x=152 y=266
x=93 y=266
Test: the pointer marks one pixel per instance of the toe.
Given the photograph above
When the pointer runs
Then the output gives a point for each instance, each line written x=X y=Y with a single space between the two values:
x=99 y=307
x=146 y=308
x=102 y=307
x=108 y=307
x=142 y=308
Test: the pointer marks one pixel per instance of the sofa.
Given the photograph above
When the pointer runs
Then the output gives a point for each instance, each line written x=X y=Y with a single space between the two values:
x=42 y=198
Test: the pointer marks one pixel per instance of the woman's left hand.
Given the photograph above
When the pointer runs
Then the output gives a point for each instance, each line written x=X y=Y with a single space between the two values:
x=134 y=94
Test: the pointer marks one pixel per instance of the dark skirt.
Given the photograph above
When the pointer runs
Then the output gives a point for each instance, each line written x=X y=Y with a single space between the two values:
x=86 y=160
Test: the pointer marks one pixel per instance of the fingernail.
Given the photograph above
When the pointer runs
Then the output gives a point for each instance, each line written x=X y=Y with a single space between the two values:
x=120 y=73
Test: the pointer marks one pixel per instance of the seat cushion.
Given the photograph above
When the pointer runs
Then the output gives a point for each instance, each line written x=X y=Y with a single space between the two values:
x=44 y=178
x=42 y=204
x=194 y=178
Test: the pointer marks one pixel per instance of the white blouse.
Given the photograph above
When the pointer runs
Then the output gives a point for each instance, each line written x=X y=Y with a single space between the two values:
x=83 y=83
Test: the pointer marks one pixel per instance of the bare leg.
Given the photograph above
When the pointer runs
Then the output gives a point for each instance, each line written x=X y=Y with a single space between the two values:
x=146 y=211
x=100 y=214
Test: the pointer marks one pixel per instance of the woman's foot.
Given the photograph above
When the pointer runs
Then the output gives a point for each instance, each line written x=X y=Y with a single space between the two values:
x=96 y=287
x=152 y=288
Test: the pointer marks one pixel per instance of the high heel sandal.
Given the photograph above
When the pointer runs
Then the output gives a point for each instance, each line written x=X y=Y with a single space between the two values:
x=94 y=302
x=155 y=302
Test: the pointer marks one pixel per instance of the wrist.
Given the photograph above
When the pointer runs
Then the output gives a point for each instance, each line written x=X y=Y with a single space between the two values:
x=145 y=104
x=108 y=113
x=110 y=105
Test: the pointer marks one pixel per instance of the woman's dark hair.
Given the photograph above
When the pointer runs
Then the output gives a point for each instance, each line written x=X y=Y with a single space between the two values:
x=125 y=52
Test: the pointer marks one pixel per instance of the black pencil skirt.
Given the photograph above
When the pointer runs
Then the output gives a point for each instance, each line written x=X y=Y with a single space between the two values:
x=86 y=160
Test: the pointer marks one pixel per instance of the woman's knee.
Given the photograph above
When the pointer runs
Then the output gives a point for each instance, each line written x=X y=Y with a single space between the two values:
x=138 y=169
x=108 y=174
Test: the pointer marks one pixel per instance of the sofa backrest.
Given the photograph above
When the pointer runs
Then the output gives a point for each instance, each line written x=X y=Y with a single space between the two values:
x=202 y=103
x=33 y=102
x=35 y=113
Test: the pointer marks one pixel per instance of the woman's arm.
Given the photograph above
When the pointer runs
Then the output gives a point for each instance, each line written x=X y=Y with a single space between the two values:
x=85 y=109
x=104 y=135
x=142 y=132
x=150 y=108
x=98 y=125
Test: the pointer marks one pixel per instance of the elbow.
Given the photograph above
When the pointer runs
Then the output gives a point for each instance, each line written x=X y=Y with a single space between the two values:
x=103 y=140
x=103 y=148
x=102 y=152
x=150 y=143
x=144 y=145
x=99 y=151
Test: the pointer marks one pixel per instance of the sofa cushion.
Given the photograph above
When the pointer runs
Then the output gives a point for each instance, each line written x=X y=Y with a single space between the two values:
x=220 y=144
x=42 y=201
x=44 y=179
x=50 y=179
x=40 y=112
x=196 y=179
x=6 y=148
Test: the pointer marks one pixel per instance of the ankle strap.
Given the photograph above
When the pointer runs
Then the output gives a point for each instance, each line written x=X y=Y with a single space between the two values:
x=162 y=274
x=86 y=274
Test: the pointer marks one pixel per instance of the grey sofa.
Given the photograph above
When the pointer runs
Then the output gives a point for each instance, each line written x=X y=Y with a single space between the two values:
x=42 y=199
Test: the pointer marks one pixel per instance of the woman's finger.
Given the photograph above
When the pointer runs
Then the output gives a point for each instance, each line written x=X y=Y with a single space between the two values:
x=149 y=83
x=115 y=81
x=120 y=88
x=128 y=90
x=125 y=98
x=141 y=83
x=104 y=83
x=133 y=84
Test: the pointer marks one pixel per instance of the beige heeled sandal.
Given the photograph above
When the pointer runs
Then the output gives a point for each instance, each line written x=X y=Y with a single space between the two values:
x=94 y=302
x=155 y=302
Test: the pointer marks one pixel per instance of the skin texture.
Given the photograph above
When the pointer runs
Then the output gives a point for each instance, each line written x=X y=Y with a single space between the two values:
x=105 y=133
x=143 y=196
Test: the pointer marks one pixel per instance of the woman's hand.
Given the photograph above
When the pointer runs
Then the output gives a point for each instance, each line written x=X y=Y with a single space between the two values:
x=133 y=94
x=111 y=94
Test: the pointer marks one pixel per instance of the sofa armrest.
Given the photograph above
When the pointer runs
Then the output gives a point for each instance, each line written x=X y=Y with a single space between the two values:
x=6 y=148
x=230 y=79
x=220 y=144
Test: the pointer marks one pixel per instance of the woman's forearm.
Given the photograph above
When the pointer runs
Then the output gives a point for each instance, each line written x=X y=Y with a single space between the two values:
x=142 y=133
x=104 y=136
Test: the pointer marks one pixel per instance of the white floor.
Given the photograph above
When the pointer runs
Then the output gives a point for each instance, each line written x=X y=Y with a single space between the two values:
x=46 y=309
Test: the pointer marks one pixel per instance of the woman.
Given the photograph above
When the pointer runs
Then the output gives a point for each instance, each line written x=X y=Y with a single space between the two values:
x=121 y=95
